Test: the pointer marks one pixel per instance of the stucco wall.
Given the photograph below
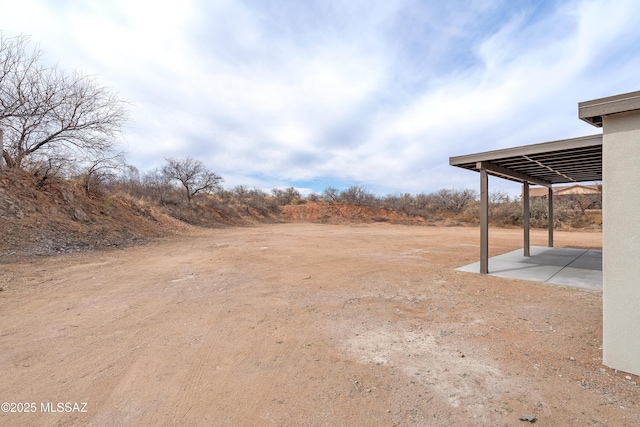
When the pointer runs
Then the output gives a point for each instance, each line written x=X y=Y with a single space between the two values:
x=621 y=241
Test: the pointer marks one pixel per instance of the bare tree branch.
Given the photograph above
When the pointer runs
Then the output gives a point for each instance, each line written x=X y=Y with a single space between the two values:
x=43 y=109
x=100 y=168
x=192 y=175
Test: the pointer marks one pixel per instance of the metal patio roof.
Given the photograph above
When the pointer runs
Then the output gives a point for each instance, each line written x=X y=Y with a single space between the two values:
x=548 y=163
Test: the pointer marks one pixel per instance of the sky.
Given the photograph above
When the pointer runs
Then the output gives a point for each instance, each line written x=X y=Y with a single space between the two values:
x=312 y=94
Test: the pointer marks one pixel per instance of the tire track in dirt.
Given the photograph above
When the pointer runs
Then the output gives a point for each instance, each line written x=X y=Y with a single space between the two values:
x=191 y=382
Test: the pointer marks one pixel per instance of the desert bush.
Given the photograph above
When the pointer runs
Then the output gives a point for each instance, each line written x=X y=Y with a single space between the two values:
x=357 y=196
x=314 y=198
x=96 y=171
x=403 y=203
x=453 y=200
x=287 y=196
x=44 y=168
x=581 y=202
x=254 y=199
x=354 y=195
x=259 y=201
x=421 y=205
x=331 y=195
x=438 y=205
x=506 y=213
x=452 y=206
x=157 y=186
x=221 y=201
x=130 y=182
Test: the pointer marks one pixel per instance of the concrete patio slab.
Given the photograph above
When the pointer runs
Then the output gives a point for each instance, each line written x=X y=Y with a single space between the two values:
x=579 y=268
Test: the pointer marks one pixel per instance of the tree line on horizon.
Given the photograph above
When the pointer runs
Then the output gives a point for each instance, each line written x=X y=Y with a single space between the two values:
x=461 y=206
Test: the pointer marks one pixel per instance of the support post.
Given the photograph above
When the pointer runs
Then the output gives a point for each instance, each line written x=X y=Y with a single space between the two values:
x=1 y=149
x=484 y=221
x=551 y=220
x=526 y=214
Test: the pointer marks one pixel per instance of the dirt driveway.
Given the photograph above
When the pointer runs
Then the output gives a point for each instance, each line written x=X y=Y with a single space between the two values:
x=304 y=325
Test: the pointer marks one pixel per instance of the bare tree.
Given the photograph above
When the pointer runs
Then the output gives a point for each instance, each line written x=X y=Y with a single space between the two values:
x=241 y=192
x=101 y=168
x=193 y=175
x=43 y=108
x=331 y=195
x=17 y=64
x=454 y=200
x=423 y=201
x=358 y=196
x=254 y=198
x=499 y=196
x=404 y=202
x=55 y=164
x=287 y=196
x=158 y=183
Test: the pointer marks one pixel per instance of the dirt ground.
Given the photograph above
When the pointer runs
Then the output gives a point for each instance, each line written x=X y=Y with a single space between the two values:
x=304 y=325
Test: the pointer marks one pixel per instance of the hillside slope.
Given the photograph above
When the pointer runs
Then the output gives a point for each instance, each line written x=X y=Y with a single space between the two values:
x=58 y=217
x=340 y=213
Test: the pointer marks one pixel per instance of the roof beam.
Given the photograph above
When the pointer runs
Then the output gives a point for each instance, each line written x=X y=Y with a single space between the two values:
x=550 y=169
x=511 y=173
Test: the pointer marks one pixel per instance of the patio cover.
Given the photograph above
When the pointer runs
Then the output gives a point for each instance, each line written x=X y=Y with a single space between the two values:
x=556 y=162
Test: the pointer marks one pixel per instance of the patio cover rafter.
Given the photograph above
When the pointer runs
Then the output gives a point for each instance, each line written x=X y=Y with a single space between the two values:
x=510 y=174
x=556 y=162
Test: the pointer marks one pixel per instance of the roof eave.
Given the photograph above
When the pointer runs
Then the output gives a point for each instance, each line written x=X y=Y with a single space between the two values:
x=593 y=111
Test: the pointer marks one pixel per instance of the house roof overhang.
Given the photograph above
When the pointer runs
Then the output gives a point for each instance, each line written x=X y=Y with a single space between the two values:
x=556 y=162
x=593 y=111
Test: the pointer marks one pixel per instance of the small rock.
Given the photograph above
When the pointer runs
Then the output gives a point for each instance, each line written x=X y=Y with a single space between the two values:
x=530 y=418
x=80 y=215
x=573 y=359
x=628 y=377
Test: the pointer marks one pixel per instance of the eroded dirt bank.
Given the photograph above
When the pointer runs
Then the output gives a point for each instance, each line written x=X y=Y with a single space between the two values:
x=305 y=324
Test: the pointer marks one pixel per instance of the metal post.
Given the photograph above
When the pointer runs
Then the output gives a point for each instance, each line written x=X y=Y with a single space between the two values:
x=551 y=220
x=526 y=214
x=484 y=220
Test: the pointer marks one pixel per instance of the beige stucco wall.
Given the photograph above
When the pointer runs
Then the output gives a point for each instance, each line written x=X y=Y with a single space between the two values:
x=621 y=241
